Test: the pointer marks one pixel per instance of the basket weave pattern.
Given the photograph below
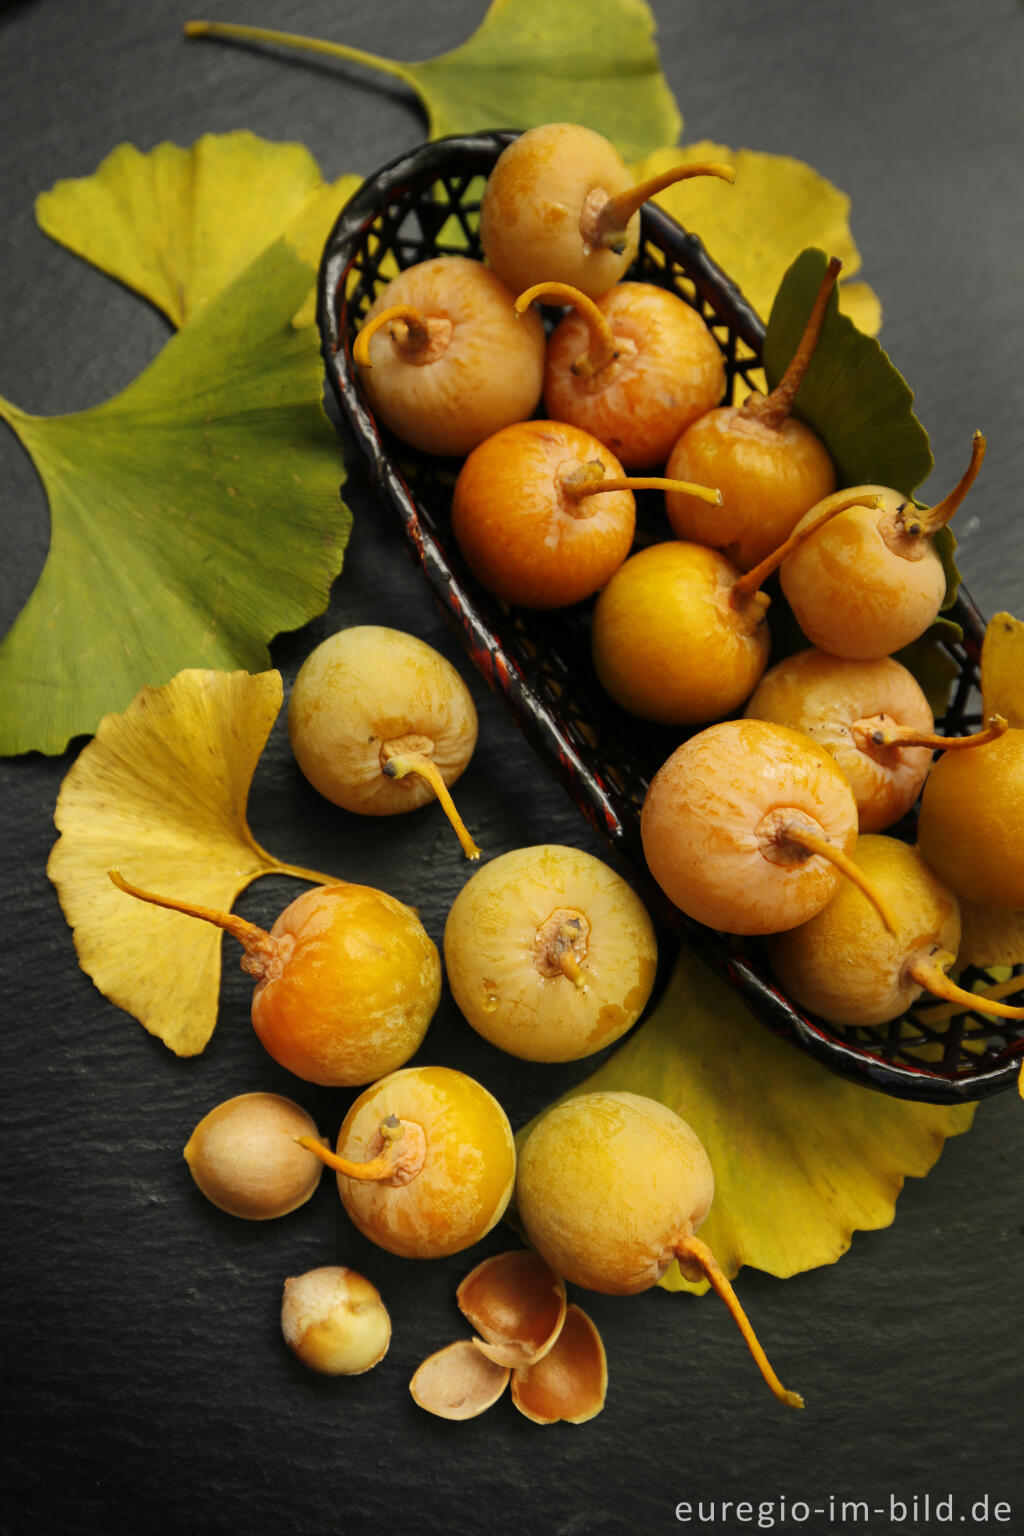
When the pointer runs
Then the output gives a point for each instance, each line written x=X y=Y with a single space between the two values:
x=426 y=204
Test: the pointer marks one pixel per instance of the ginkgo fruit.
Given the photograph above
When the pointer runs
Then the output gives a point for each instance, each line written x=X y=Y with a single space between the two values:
x=425 y=1162
x=770 y=467
x=347 y=979
x=543 y=514
x=561 y=206
x=971 y=826
x=443 y=360
x=872 y=716
x=549 y=953
x=611 y=1188
x=842 y=964
x=381 y=723
x=633 y=367
x=871 y=581
x=749 y=828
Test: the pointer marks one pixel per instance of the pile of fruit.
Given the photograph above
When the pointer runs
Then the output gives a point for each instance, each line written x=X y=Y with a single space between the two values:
x=773 y=824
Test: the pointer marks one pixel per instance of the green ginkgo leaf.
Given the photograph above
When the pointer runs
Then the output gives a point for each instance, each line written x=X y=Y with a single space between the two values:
x=852 y=395
x=802 y=1158
x=585 y=61
x=194 y=516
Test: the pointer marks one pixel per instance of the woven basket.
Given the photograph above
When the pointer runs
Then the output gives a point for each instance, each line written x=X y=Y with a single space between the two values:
x=426 y=204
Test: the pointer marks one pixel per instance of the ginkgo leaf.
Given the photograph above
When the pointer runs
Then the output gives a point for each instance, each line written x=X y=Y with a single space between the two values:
x=1002 y=669
x=588 y=61
x=756 y=228
x=195 y=515
x=802 y=1158
x=852 y=394
x=160 y=793
x=179 y=225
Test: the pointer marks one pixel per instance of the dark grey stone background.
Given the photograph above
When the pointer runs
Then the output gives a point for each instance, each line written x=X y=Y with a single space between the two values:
x=147 y=1388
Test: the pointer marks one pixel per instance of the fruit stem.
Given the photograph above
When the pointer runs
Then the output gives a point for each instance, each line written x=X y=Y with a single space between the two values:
x=564 y=957
x=413 y=338
x=578 y=488
x=259 y=945
x=820 y=845
x=603 y=348
x=924 y=525
x=749 y=583
x=771 y=410
x=876 y=731
x=399 y=1160
x=929 y=971
x=614 y=213
x=227 y=29
x=397 y=764
x=696 y=1251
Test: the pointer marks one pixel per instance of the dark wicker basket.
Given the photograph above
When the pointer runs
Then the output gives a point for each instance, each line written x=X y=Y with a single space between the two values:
x=425 y=204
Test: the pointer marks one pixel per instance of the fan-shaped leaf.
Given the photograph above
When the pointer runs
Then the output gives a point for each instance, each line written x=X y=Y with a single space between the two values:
x=195 y=515
x=161 y=793
x=802 y=1158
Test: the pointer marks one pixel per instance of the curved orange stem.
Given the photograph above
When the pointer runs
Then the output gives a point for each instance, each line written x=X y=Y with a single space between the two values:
x=749 y=583
x=925 y=524
x=616 y=213
x=771 y=410
x=878 y=732
x=930 y=973
x=696 y=1251
x=590 y=487
x=842 y=861
x=603 y=348
x=389 y=1162
x=401 y=763
x=416 y=335
x=255 y=941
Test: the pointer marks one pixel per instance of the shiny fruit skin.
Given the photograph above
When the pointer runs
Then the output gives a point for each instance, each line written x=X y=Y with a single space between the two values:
x=533 y=202
x=668 y=644
x=368 y=686
x=353 y=997
x=971 y=827
x=852 y=595
x=467 y=1177
x=768 y=476
x=669 y=370
x=523 y=537
x=244 y=1157
x=843 y=964
x=490 y=372
x=607 y=1183
x=704 y=818
x=824 y=696
x=497 y=969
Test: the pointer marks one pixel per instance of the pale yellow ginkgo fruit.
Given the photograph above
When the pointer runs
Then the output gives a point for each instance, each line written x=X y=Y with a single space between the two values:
x=179 y=224
x=802 y=1158
x=160 y=793
x=776 y=208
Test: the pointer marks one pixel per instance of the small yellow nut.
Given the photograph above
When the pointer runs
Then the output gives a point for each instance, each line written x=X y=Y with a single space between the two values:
x=335 y=1321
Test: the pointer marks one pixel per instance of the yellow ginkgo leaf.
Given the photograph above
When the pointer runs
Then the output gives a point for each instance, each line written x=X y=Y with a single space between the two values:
x=755 y=229
x=802 y=1158
x=1002 y=669
x=178 y=225
x=161 y=793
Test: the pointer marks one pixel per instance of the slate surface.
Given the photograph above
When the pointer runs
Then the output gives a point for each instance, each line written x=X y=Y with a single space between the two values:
x=146 y=1386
